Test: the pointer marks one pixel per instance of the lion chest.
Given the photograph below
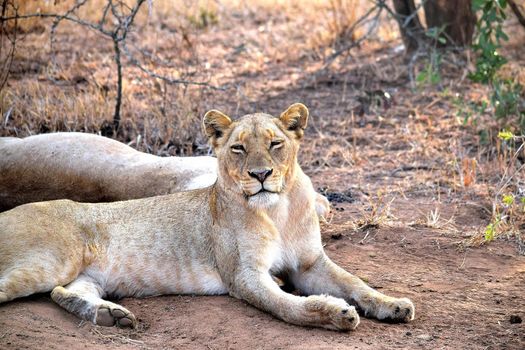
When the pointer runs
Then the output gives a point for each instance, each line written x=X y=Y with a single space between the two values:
x=284 y=250
x=297 y=237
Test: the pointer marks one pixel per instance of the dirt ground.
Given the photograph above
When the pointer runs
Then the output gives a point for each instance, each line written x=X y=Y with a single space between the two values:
x=406 y=207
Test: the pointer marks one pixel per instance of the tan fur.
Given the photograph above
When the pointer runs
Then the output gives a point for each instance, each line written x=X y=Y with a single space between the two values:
x=91 y=168
x=227 y=238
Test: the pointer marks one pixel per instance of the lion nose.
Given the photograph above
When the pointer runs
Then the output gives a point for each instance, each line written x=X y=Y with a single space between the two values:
x=260 y=175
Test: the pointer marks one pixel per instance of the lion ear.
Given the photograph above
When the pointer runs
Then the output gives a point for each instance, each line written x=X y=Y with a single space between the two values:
x=215 y=123
x=295 y=118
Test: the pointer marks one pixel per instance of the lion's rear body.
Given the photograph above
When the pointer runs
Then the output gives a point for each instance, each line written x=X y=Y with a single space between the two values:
x=91 y=168
x=133 y=248
x=35 y=256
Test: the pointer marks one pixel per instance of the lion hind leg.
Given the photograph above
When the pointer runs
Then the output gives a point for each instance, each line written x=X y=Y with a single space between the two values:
x=22 y=282
x=3 y=297
x=83 y=298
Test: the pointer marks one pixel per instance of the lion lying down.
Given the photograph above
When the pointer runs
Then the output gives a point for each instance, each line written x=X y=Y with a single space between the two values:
x=90 y=168
x=256 y=221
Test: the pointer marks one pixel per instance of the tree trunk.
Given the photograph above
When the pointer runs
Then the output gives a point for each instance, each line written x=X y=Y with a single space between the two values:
x=412 y=29
x=455 y=16
x=516 y=9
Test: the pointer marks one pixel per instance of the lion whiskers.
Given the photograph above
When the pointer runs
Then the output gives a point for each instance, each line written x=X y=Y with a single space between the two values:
x=251 y=186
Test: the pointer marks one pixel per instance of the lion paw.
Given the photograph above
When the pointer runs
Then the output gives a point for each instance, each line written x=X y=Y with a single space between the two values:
x=3 y=297
x=110 y=315
x=345 y=318
x=399 y=310
x=335 y=312
x=322 y=206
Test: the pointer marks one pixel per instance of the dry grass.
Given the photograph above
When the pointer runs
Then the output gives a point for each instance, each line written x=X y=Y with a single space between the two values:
x=75 y=90
x=377 y=213
x=268 y=54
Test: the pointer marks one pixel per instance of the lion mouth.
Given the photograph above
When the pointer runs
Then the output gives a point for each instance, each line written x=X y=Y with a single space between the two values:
x=263 y=199
x=253 y=190
x=262 y=190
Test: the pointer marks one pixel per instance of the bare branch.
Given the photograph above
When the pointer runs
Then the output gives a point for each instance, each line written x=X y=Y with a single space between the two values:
x=515 y=8
x=8 y=61
x=124 y=16
x=104 y=14
x=169 y=80
x=54 y=15
x=118 y=102
x=363 y=20
x=56 y=22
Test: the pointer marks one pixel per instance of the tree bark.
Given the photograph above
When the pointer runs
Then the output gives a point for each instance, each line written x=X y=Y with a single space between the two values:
x=412 y=29
x=516 y=9
x=455 y=16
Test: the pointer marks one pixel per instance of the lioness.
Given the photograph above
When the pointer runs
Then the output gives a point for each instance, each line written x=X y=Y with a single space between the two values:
x=256 y=221
x=91 y=168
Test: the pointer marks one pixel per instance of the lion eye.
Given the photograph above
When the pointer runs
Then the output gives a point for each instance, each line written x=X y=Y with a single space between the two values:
x=276 y=144
x=238 y=149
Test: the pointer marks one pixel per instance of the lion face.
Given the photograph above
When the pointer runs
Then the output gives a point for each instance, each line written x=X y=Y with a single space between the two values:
x=257 y=154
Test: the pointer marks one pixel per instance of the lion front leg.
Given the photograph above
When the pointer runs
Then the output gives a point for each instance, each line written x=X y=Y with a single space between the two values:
x=323 y=311
x=325 y=277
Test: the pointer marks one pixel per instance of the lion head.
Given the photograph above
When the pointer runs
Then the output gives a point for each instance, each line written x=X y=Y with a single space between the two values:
x=257 y=154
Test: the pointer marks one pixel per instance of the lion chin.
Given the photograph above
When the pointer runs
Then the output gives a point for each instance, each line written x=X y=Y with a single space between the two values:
x=263 y=200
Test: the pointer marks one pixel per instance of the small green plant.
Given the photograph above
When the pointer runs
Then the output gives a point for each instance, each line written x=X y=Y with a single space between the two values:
x=468 y=110
x=507 y=99
x=431 y=75
x=508 y=199
x=436 y=33
x=508 y=216
x=505 y=135
x=508 y=207
x=204 y=18
x=488 y=40
x=490 y=230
